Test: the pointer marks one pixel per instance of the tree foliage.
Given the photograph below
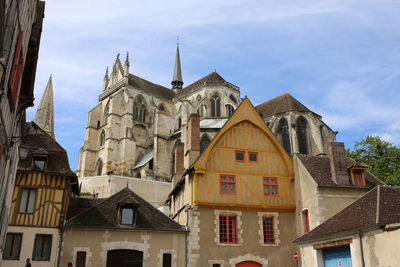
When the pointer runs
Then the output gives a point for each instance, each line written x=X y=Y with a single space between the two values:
x=382 y=158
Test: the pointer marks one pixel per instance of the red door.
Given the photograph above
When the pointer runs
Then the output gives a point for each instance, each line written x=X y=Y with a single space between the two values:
x=248 y=264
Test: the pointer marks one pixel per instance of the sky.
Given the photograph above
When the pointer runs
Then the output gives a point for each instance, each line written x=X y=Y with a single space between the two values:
x=340 y=58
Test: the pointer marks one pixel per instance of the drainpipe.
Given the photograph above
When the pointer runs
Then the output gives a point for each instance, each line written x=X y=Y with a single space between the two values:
x=61 y=238
x=361 y=248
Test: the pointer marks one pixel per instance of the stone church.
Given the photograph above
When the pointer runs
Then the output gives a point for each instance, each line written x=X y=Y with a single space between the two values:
x=138 y=128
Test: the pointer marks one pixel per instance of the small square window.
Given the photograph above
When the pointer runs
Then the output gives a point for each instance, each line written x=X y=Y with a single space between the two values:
x=127 y=216
x=239 y=156
x=42 y=248
x=39 y=163
x=358 y=178
x=270 y=187
x=227 y=184
x=253 y=157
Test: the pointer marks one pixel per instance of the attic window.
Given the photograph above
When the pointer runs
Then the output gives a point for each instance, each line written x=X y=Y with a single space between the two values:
x=127 y=216
x=39 y=163
x=358 y=178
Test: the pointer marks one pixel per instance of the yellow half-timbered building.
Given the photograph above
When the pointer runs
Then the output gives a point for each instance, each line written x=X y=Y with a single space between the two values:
x=42 y=190
x=237 y=197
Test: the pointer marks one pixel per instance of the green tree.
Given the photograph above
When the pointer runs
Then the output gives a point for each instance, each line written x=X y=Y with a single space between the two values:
x=382 y=158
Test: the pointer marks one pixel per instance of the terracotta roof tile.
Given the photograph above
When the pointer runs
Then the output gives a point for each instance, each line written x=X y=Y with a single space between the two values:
x=320 y=169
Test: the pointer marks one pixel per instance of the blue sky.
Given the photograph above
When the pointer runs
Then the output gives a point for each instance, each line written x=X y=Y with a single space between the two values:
x=339 y=58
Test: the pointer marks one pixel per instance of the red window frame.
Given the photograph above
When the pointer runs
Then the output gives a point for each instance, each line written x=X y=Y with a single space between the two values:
x=268 y=230
x=268 y=183
x=358 y=178
x=16 y=70
x=244 y=156
x=228 y=229
x=225 y=181
x=253 y=153
x=306 y=221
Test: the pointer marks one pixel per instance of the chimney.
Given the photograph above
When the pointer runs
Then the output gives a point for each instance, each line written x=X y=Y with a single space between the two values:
x=178 y=164
x=337 y=158
x=193 y=138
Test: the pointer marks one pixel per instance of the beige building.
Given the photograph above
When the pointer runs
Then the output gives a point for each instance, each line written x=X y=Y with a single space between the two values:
x=365 y=233
x=20 y=32
x=122 y=230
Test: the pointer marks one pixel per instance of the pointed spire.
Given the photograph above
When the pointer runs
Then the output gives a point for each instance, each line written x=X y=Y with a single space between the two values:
x=126 y=65
x=177 y=77
x=106 y=80
x=44 y=117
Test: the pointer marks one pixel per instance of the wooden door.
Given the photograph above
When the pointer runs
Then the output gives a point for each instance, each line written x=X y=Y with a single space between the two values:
x=248 y=264
x=124 y=258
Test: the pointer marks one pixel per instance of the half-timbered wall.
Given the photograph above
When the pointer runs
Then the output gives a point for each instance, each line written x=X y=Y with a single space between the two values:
x=50 y=201
x=249 y=190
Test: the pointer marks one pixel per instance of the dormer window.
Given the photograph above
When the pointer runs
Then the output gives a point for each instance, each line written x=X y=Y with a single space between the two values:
x=127 y=216
x=358 y=177
x=39 y=163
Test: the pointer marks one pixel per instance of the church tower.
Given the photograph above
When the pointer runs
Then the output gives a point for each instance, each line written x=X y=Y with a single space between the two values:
x=177 y=81
x=44 y=117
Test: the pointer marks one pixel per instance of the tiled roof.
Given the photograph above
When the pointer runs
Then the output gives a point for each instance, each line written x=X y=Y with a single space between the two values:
x=151 y=88
x=281 y=104
x=146 y=158
x=320 y=169
x=211 y=79
x=361 y=214
x=104 y=215
x=41 y=143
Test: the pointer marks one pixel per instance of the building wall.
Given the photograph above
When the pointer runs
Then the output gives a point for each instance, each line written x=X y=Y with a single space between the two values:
x=381 y=248
x=27 y=244
x=154 y=192
x=96 y=243
x=11 y=114
x=250 y=244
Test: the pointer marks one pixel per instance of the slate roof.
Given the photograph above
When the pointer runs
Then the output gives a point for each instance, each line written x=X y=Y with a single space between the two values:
x=41 y=143
x=211 y=79
x=151 y=88
x=104 y=215
x=146 y=158
x=320 y=169
x=281 y=104
x=378 y=207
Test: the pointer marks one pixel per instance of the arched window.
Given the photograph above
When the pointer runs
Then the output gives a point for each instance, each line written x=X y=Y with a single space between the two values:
x=139 y=109
x=102 y=138
x=301 y=131
x=204 y=142
x=229 y=110
x=215 y=106
x=283 y=133
x=161 y=107
x=200 y=110
x=106 y=112
x=233 y=99
x=99 y=167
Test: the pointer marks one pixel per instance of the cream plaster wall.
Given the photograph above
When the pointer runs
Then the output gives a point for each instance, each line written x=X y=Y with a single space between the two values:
x=98 y=242
x=28 y=241
x=154 y=192
x=382 y=248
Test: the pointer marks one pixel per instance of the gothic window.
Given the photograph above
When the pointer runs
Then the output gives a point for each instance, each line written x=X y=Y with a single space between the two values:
x=200 y=110
x=204 y=142
x=106 y=112
x=229 y=110
x=99 y=168
x=139 y=109
x=283 y=133
x=301 y=131
x=215 y=106
x=233 y=99
x=102 y=138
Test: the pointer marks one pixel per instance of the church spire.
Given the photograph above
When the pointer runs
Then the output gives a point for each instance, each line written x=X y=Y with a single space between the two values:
x=44 y=117
x=177 y=78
